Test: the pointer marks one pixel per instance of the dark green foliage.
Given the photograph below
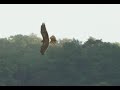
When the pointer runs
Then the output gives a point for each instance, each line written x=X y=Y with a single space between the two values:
x=69 y=62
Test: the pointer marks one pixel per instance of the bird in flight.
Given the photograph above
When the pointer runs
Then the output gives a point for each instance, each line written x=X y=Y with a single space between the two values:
x=45 y=41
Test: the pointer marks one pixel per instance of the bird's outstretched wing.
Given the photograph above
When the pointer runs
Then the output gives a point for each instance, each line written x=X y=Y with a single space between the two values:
x=45 y=40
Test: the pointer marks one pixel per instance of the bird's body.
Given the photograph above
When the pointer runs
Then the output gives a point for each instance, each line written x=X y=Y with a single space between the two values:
x=53 y=39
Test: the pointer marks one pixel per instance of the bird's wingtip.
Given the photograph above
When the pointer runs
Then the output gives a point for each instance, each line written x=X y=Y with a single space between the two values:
x=43 y=23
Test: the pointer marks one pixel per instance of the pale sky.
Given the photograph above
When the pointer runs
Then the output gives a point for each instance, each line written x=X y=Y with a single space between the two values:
x=80 y=21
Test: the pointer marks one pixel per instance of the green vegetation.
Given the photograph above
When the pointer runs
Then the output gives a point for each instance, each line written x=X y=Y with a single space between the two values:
x=69 y=62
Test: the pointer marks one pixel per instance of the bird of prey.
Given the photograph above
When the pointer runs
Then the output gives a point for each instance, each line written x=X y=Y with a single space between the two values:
x=45 y=40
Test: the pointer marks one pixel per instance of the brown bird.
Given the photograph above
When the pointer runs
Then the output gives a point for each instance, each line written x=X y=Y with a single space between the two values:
x=45 y=40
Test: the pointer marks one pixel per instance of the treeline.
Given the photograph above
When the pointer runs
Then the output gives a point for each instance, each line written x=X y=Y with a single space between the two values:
x=69 y=62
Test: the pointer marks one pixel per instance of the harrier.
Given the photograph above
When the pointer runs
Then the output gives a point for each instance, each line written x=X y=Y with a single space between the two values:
x=45 y=41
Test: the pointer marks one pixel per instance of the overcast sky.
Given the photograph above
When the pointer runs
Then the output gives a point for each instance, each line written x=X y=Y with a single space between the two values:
x=80 y=21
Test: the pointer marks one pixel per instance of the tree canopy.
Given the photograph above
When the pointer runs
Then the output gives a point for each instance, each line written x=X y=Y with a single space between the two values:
x=69 y=62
